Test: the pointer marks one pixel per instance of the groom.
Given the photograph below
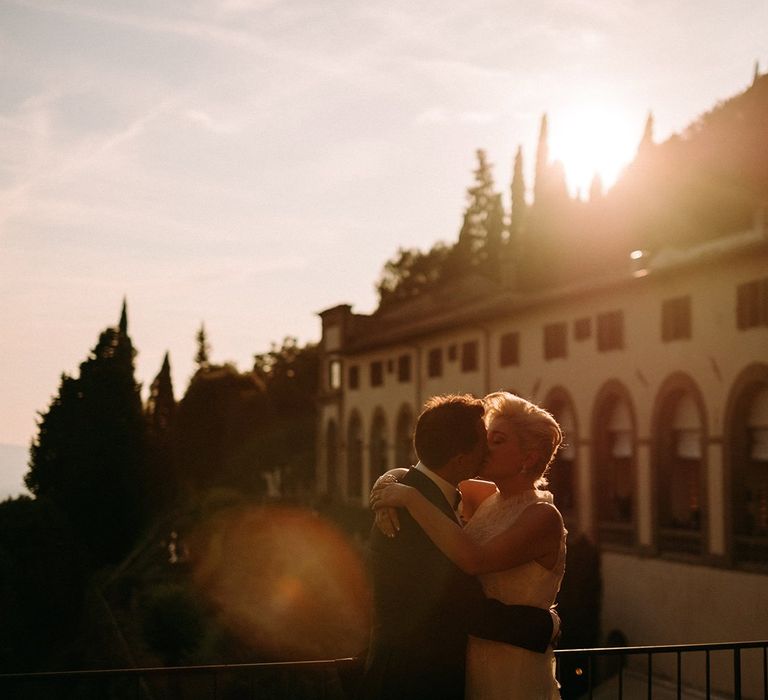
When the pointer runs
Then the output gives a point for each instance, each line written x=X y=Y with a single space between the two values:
x=424 y=606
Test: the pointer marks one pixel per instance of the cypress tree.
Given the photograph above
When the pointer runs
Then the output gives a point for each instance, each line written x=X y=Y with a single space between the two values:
x=646 y=142
x=161 y=405
x=541 y=177
x=160 y=414
x=494 y=238
x=518 y=196
x=203 y=349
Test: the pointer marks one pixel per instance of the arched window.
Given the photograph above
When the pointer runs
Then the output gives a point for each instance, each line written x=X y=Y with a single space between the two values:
x=562 y=471
x=379 y=459
x=404 y=454
x=614 y=462
x=746 y=440
x=355 y=457
x=679 y=466
x=331 y=458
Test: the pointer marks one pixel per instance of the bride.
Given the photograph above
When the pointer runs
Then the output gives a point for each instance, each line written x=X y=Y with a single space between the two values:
x=514 y=540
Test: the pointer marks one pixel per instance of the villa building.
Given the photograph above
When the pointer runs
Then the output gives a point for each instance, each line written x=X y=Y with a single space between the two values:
x=658 y=375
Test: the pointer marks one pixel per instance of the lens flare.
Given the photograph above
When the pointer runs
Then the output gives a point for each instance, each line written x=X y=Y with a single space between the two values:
x=284 y=581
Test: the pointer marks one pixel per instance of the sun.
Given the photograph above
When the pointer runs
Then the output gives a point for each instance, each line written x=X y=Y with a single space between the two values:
x=590 y=139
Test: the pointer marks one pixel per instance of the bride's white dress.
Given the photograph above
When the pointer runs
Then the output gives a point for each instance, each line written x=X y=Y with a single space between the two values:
x=496 y=670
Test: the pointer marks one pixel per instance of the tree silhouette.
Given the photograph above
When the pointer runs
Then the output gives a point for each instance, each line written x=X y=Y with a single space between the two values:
x=519 y=206
x=541 y=175
x=706 y=182
x=220 y=413
x=482 y=228
x=410 y=272
x=290 y=374
x=88 y=456
x=203 y=349
x=42 y=579
x=160 y=413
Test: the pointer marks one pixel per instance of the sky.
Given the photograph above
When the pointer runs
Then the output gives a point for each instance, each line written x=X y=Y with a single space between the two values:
x=248 y=163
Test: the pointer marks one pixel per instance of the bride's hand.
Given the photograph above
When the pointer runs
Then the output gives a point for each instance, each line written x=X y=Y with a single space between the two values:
x=392 y=495
x=386 y=519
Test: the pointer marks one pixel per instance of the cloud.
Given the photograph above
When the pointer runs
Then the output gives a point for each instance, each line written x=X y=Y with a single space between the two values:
x=436 y=115
x=206 y=121
x=441 y=115
x=52 y=163
x=478 y=117
x=179 y=26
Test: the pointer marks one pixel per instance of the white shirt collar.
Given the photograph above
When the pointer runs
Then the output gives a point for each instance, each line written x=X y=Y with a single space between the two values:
x=448 y=489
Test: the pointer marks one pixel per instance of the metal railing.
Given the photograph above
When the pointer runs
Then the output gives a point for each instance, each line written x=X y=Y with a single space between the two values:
x=613 y=672
x=588 y=676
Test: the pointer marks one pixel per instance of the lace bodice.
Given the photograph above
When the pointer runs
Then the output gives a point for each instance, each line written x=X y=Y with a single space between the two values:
x=527 y=584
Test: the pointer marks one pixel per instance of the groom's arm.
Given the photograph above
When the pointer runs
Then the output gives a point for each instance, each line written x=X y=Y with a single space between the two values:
x=520 y=625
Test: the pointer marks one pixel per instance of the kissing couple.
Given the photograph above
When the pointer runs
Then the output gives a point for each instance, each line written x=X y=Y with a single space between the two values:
x=465 y=610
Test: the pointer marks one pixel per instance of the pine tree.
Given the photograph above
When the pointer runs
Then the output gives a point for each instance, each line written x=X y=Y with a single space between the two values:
x=88 y=456
x=480 y=196
x=203 y=349
x=518 y=197
x=483 y=218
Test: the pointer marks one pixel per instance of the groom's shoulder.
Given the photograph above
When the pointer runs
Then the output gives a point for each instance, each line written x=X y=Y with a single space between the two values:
x=418 y=480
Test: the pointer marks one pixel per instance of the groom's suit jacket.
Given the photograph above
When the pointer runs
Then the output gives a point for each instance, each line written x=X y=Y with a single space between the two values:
x=424 y=609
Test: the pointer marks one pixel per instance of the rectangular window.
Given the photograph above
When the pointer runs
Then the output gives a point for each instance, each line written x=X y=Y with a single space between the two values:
x=676 y=319
x=610 y=331
x=377 y=373
x=555 y=341
x=452 y=352
x=390 y=366
x=752 y=304
x=582 y=328
x=354 y=377
x=435 y=362
x=509 y=349
x=469 y=360
x=404 y=368
x=334 y=374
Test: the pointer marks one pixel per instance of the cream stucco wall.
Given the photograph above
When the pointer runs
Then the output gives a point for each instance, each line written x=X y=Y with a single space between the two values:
x=651 y=598
x=655 y=601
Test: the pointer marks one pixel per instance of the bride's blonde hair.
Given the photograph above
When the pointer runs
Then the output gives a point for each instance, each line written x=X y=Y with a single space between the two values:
x=536 y=428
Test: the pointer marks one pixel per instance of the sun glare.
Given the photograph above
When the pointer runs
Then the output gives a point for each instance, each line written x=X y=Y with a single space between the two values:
x=592 y=139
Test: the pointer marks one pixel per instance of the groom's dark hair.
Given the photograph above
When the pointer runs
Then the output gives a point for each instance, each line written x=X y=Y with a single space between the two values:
x=446 y=428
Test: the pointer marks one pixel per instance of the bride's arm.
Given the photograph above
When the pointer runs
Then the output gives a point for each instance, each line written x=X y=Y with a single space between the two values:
x=386 y=518
x=473 y=493
x=535 y=534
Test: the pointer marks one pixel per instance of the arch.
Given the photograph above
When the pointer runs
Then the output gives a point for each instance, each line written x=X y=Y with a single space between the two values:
x=355 y=456
x=678 y=465
x=745 y=457
x=404 y=452
x=378 y=445
x=331 y=457
x=563 y=471
x=614 y=437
